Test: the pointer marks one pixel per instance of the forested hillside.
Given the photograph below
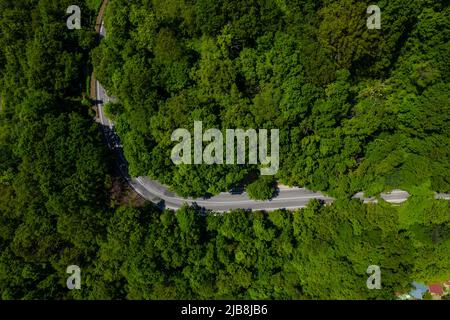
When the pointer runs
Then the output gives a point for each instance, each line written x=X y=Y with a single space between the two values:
x=357 y=110
x=317 y=253
x=53 y=178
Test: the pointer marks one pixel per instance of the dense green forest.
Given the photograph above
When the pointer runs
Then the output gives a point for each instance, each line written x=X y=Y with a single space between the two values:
x=357 y=109
x=360 y=110
x=321 y=252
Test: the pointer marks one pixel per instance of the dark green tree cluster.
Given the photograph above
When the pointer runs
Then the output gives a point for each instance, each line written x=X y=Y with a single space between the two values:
x=355 y=117
x=358 y=109
x=53 y=177
x=262 y=189
x=321 y=252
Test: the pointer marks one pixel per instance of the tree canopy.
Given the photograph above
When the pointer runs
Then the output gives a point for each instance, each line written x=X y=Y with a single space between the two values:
x=358 y=110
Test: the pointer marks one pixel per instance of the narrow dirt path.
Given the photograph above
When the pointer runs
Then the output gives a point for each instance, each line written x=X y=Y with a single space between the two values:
x=100 y=16
x=98 y=24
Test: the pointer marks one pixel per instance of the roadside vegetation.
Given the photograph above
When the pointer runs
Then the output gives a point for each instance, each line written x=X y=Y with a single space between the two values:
x=359 y=110
x=262 y=189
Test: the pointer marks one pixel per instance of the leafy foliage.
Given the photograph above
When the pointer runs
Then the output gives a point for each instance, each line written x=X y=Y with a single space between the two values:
x=357 y=110
x=262 y=189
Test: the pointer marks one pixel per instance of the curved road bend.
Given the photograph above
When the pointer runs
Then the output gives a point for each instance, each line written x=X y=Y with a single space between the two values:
x=291 y=198
x=287 y=198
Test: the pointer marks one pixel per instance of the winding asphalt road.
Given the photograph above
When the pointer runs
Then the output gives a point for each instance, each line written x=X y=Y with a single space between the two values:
x=287 y=198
